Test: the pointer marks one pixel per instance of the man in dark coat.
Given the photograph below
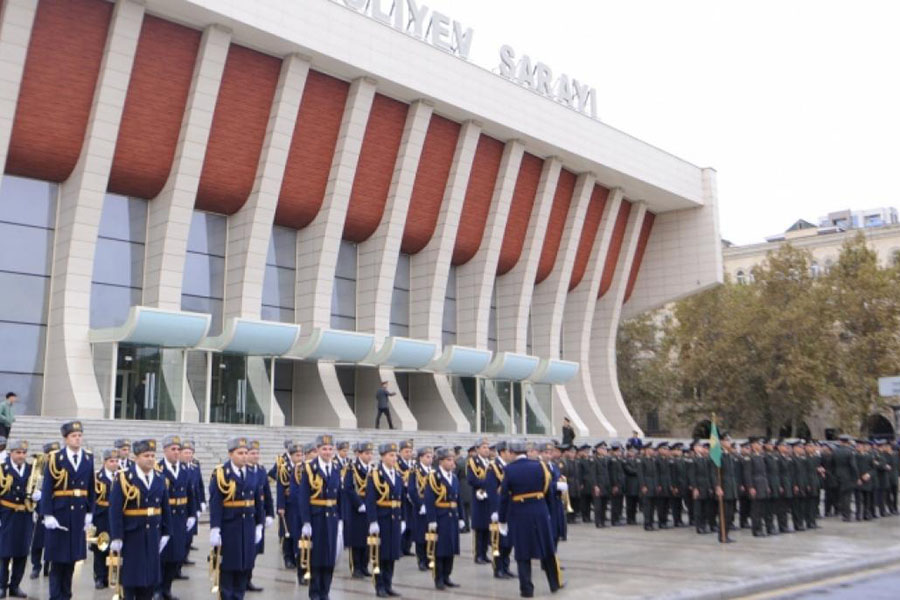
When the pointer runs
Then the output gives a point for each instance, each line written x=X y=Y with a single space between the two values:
x=103 y=482
x=353 y=506
x=15 y=521
x=442 y=514
x=648 y=484
x=631 y=467
x=383 y=401
x=756 y=481
x=602 y=484
x=617 y=484
x=846 y=473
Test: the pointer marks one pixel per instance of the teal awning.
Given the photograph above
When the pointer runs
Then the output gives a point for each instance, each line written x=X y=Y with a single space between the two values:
x=156 y=327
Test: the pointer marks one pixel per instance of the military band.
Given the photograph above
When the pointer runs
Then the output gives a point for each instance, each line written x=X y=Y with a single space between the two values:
x=15 y=520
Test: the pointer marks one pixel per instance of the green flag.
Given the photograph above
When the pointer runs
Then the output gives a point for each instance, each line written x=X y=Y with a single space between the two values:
x=715 y=448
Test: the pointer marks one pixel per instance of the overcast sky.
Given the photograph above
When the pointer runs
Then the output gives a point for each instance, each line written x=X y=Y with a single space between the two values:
x=795 y=103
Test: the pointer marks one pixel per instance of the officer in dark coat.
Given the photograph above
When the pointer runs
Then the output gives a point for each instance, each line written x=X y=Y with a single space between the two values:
x=631 y=466
x=37 y=542
x=199 y=485
x=493 y=485
x=775 y=490
x=744 y=501
x=418 y=522
x=103 y=482
x=235 y=520
x=617 y=484
x=384 y=493
x=800 y=475
x=664 y=479
x=525 y=516
x=465 y=490
x=786 y=485
x=317 y=501
x=679 y=483
x=702 y=480
x=865 y=486
x=476 y=472
x=442 y=512
x=602 y=484
x=648 y=485
x=263 y=496
x=756 y=481
x=183 y=507
x=572 y=478
x=139 y=517
x=726 y=484
x=846 y=473
x=815 y=476
x=67 y=500
x=353 y=507
x=282 y=472
x=15 y=520
x=123 y=448
x=405 y=466
x=587 y=479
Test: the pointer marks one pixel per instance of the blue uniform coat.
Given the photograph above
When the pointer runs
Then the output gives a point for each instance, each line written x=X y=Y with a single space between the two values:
x=102 y=489
x=476 y=473
x=15 y=522
x=442 y=507
x=264 y=496
x=317 y=499
x=234 y=510
x=356 y=525
x=384 y=505
x=525 y=508
x=493 y=483
x=67 y=494
x=418 y=521
x=183 y=505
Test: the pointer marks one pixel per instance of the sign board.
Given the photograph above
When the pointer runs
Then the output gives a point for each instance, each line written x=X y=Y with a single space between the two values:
x=889 y=386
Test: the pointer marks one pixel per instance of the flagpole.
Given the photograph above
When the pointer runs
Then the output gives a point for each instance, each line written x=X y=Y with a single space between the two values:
x=723 y=527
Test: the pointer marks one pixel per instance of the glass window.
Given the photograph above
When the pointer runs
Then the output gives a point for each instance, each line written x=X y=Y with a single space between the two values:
x=448 y=338
x=207 y=234
x=449 y=319
x=27 y=387
x=25 y=249
x=401 y=278
x=28 y=201
x=280 y=315
x=204 y=275
x=451 y=283
x=345 y=323
x=119 y=263
x=400 y=307
x=110 y=304
x=124 y=218
x=23 y=298
x=210 y=306
x=278 y=287
x=399 y=330
x=346 y=263
x=22 y=348
x=347 y=378
x=343 y=301
x=283 y=248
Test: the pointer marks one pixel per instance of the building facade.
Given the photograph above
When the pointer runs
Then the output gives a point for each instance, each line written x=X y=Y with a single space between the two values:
x=255 y=212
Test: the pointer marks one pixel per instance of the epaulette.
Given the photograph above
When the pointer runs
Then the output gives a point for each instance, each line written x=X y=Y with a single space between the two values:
x=158 y=468
x=87 y=451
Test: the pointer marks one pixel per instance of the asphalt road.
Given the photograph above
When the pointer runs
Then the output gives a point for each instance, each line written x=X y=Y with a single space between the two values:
x=880 y=585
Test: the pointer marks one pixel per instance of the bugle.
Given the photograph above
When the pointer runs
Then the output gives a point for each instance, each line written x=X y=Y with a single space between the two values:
x=35 y=481
x=100 y=540
x=374 y=543
x=495 y=539
x=431 y=538
x=215 y=567
x=114 y=564
x=565 y=496
x=305 y=546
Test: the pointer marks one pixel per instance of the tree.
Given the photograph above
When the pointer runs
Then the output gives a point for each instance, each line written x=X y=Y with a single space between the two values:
x=646 y=378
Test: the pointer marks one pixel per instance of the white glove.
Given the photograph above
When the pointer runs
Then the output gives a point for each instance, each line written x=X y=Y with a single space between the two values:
x=402 y=527
x=269 y=521
x=504 y=529
x=162 y=542
x=339 y=546
x=306 y=531
x=191 y=522
x=340 y=532
x=115 y=546
x=215 y=537
x=35 y=516
x=481 y=495
x=373 y=528
x=462 y=524
x=36 y=496
x=422 y=510
x=432 y=526
x=258 y=537
x=88 y=519
x=495 y=518
x=361 y=509
x=198 y=515
x=562 y=486
x=50 y=522
x=203 y=506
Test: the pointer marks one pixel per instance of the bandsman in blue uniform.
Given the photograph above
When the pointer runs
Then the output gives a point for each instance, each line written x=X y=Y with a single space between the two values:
x=263 y=495
x=557 y=487
x=405 y=466
x=67 y=504
x=38 y=562
x=123 y=448
x=139 y=516
x=317 y=501
x=525 y=517
x=199 y=485
x=15 y=520
x=494 y=481
x=183 y=507
x=419 y=520
x=442 y=510
x=282 y=471
x=353 y=508
x=343 y=454
x=476 y=473
x=103 y=481
x=236 y=520
x=384 y=509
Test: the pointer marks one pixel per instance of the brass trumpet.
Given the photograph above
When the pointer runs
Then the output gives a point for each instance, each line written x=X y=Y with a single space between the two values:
x=374 y=543
x=495 y=539
x=35 y=480
x=305 y=545
x=431 y=538
x=114 y=563
x=565 y=497
x=215 y=567
x=101 y=540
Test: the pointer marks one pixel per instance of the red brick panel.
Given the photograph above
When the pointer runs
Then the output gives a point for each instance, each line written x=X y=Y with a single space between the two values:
x=61 y=70
x=520 y=212
x=643 y=238
x=154 y=107
x=562 y=201
x=615 y=248
x=375 y=170
x=238 y=129
x=431 y=179
x=479 y=193
x=312 y=150
x=588 y=234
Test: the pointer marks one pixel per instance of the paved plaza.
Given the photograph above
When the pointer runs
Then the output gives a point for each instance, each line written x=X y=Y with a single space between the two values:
x=620 y=562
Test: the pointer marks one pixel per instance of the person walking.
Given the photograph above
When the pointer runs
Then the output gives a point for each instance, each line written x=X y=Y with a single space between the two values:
x=568 y=432
x=383 y=398
x=7 y=416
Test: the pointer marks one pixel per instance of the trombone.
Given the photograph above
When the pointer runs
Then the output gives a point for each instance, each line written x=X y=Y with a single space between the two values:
x=114 y=563
x=495 y=539
x=215 y=567
x=374 y=543
x=305 y=545
x=431 y=538
x=100 y=540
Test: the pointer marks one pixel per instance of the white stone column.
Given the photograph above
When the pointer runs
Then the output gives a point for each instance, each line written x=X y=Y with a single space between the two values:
x=250 y=228
x=318 y=243
x=549 y=298
x=170 y=213
x=514 y=288
x=70 y=388
x=578 y=324
x=377 y=256
x=16 y=21
x=606 y=325
x=475 y=279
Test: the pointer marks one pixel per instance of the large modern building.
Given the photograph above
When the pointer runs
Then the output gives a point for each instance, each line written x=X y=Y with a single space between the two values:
x=255 y=212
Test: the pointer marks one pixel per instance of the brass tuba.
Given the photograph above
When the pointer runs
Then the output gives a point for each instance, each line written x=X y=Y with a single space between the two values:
x=35 y=480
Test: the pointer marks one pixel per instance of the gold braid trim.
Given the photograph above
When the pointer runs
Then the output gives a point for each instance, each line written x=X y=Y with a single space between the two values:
x=227 y=488
x=315 y=483
x=440 y=490
x=547 y=477
x=131 y=491
x=498 y=474
x=383 y=489
x=480 y=472
x=298 y=472
x=359 y=482
x=60 y=476
x=6 y=480
x=99 y=488
x=421 y=480
x=281 y=471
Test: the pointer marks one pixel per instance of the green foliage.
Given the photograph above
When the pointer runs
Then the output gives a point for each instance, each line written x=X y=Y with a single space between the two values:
x=771 y=352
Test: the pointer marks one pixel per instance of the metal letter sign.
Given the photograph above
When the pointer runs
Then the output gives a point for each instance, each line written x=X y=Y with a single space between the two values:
x=889 y=386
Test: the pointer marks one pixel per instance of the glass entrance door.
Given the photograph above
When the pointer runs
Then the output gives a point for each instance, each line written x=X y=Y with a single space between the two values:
x=141 y=392
x=237 y=381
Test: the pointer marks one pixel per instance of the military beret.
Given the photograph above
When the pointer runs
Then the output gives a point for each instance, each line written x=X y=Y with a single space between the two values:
x=17 y=445
x=600 y=444
x=502 y=446
x=404 y=444
x=109 y=453
x=444 y=453
x=50 y=447
x=310 y=447
x=254 y=445
x=71 y=427
x=121 y=442
x=187 y=444
x=364 y=447
x=235 y=443
x=424 y=450
x=325 y=439
x=171 y=440
x=388 y=447
x=142 y=446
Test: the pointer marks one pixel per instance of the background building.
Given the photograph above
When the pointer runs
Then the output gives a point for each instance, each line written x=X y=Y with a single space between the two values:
x=254 y=212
